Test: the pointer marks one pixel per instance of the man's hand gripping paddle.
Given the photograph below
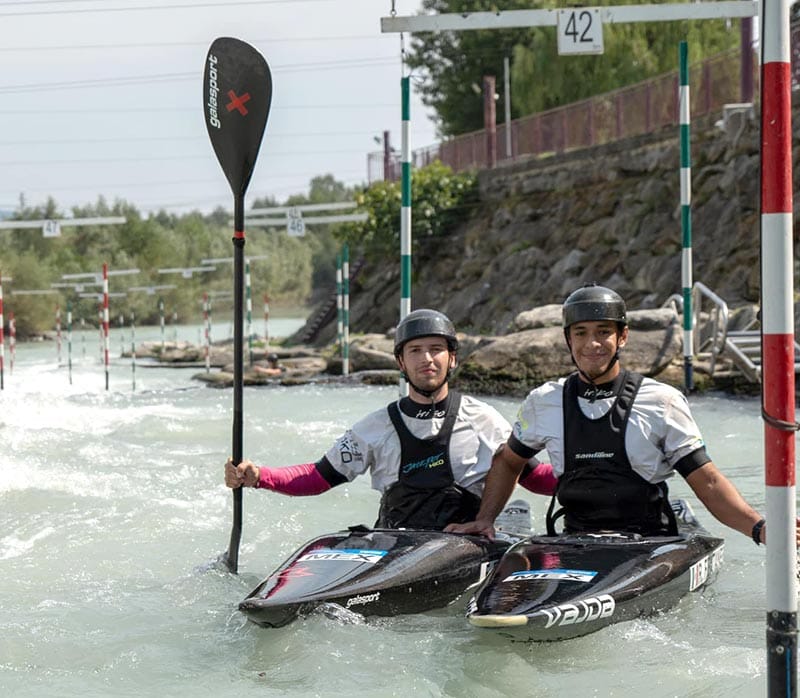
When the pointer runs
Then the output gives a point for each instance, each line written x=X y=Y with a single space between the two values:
x=237 y=92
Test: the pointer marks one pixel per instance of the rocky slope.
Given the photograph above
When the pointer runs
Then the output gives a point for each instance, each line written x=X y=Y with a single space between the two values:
x=609 y=214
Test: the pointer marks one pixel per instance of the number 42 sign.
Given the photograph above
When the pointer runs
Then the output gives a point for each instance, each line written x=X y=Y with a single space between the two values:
x=580 y=30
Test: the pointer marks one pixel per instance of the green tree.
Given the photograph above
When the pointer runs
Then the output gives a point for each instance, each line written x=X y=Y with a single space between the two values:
x=439 y=199
x=452 y=62
x=294 y=266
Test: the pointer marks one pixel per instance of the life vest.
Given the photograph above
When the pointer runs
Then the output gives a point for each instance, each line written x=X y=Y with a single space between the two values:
x=425 y=495
x=599 y=491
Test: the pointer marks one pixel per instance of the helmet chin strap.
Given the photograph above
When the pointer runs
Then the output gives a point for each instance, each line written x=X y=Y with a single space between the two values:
x=585 y=375
x=611 y=363
x=427 y=393
x=422 y=391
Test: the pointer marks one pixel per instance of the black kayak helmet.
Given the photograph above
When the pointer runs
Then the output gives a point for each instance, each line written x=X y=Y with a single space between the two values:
x=593 y=302
x=425 y=323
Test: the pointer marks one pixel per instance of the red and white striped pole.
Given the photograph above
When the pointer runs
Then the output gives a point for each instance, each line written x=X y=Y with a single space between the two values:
x=2 y=342
x=100 y=329
x=133 y=350
x=207 y=333
x=105 y=321
x=12 y=339
x=777 y=342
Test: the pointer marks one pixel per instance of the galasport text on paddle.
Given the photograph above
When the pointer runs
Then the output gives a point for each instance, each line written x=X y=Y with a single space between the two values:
x=237 y=92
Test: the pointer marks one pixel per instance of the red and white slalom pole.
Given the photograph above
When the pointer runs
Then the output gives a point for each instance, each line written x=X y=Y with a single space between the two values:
x=100 y=329
x=12 y=339
x=133 y=351
x=207 y=325
x=69 y=341
x=105 y=321
x=777 y=344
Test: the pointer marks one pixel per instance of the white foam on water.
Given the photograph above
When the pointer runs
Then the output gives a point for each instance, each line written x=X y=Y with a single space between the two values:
x=111 y=503
x=12 y=546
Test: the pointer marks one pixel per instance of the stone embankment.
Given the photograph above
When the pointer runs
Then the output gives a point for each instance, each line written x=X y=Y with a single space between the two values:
x=509 y=364
x=543 y=227
x=609 y=214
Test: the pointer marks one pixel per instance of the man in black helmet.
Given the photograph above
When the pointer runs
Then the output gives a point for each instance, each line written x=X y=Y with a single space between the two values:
x=273 y=367
x=613 y=437
x=427 y=454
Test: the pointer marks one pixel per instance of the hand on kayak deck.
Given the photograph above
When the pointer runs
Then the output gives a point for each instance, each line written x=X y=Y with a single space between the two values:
x=245 y=474
x=478 y=528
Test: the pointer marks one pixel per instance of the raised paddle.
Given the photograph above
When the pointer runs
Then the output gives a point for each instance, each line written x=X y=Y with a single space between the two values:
x=237 y=91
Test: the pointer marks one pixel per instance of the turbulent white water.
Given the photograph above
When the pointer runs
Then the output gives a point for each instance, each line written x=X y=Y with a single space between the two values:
x=112 y=508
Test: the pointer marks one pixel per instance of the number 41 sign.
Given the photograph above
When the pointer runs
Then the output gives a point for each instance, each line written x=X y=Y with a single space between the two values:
x=580 y=30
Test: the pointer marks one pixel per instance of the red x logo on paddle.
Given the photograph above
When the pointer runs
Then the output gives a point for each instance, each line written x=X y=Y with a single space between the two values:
x=238 y=102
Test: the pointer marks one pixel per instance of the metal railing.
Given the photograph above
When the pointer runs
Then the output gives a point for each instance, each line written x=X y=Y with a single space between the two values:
x=710 y=327
x=634 y=110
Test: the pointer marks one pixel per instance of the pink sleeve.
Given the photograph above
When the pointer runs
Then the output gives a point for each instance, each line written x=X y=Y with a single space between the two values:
x=540 y=480
x=294 y=480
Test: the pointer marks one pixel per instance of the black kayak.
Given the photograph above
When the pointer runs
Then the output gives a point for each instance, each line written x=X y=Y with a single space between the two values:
x=374 y=572
x=559 y=587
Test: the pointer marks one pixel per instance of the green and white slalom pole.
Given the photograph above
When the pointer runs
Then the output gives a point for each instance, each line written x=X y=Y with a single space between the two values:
x=339 y=299
x=248 y=300
x=686 y=219
x=2 y=343
x=345 y=310
x=266 y=321
x=405 y=210
x=69 y=341
x=58 y=334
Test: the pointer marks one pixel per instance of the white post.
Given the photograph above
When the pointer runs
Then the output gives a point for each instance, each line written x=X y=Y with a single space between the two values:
x=507 y=100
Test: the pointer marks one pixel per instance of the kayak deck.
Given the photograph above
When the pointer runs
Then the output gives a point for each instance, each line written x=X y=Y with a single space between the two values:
x=375 y=572
x=556 y=588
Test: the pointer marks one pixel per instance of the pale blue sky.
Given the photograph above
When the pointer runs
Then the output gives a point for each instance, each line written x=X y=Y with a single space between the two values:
x=103 y=97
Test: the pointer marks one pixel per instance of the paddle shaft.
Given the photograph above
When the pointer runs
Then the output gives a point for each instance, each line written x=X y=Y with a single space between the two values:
x=237 y=92
x=238 y=374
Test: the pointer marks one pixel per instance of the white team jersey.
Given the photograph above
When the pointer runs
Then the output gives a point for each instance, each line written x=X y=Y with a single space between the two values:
x=372 y=444
x=661 y=429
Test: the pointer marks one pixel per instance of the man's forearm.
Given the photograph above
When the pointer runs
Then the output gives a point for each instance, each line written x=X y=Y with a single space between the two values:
x=499 y=483
x=722 y=499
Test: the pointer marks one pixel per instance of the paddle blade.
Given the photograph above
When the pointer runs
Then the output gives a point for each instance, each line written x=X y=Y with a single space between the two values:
x=237 y=92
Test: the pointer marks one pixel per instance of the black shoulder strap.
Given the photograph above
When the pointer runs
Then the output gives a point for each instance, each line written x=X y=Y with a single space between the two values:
x=621 y=409
x=570 y=389
x=399 y=425
x=453 y=405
